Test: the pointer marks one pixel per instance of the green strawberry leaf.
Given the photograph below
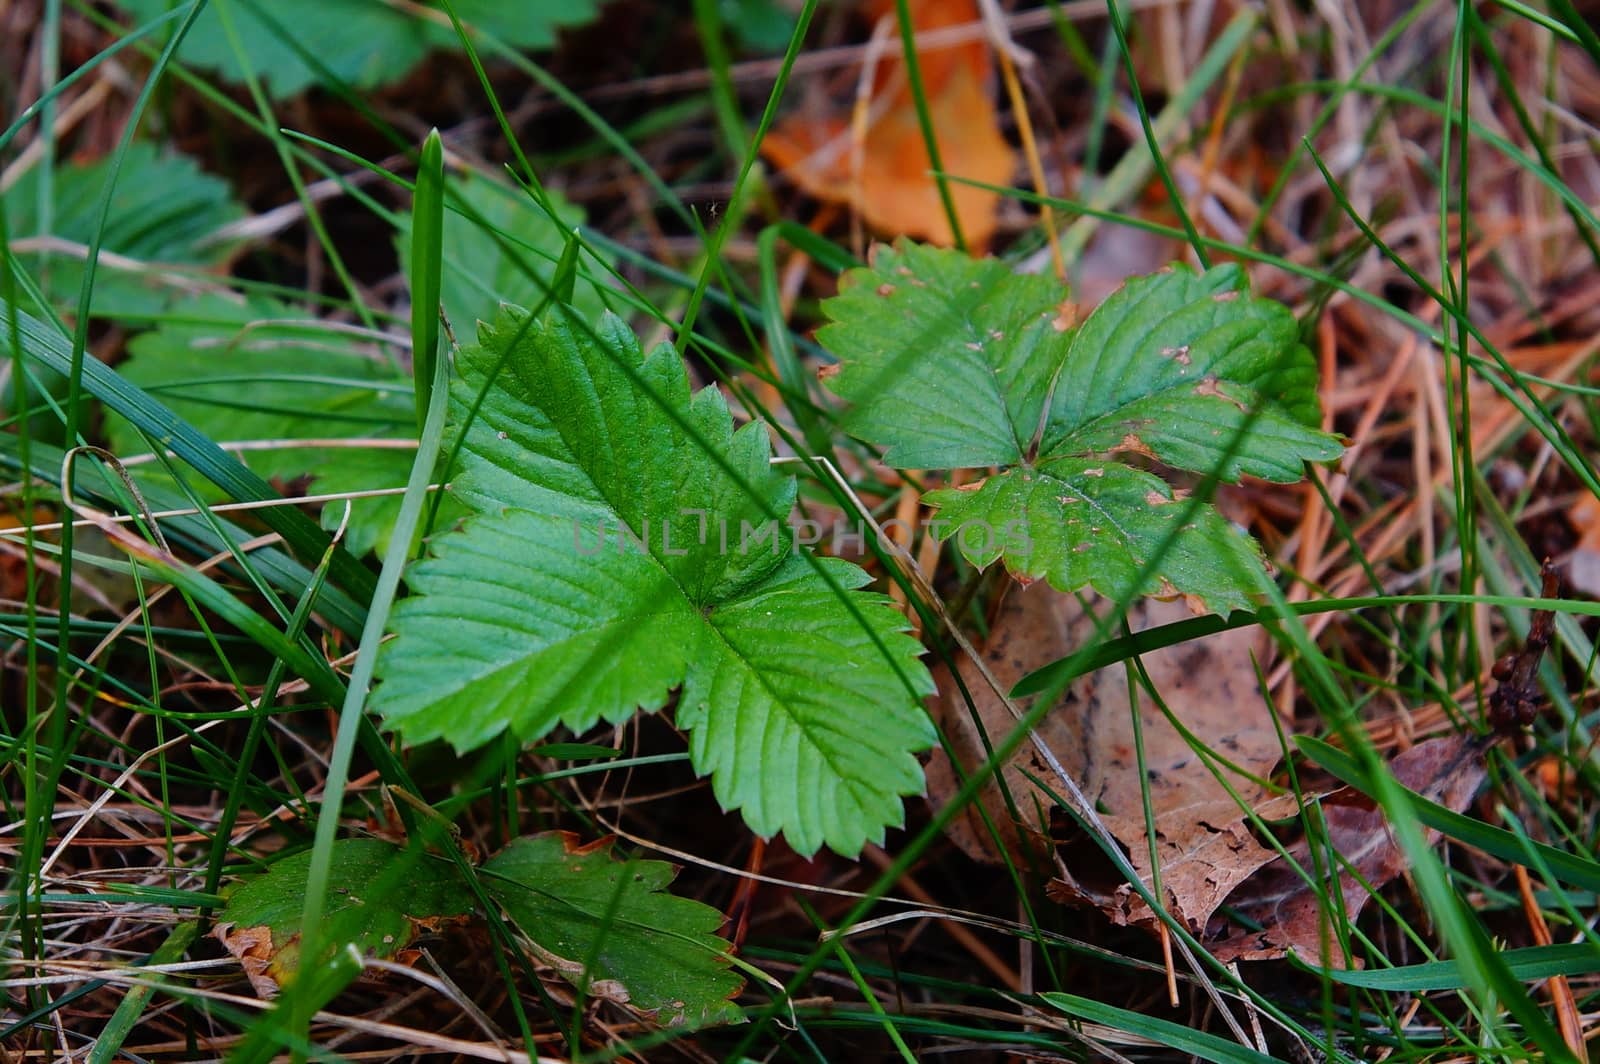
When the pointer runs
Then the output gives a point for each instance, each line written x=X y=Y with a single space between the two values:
x=629 y=542
x=364 y=43
x=256 y=370
x=611 y=928
x=382 y=897
x=163 y=208
x=951 y=362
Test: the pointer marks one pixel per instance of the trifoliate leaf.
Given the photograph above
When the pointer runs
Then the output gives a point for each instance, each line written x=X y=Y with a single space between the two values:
x=380 y=898
x=163 y=207
x=947 y=359
x=611 y=928
x=631 y=542
x=488 y=263
x=261 y=372
x=952 y=362
x=364 y=43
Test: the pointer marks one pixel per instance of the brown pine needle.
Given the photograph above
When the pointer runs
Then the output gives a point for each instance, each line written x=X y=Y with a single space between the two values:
x=1560 y=990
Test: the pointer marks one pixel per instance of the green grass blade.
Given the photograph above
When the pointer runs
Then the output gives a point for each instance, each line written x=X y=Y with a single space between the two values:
x=1579 y=26
x=133 y=1005
x=1527 y=965
x=213 y=596
x=354 y=703
x=427 y=269
x=930 y=137
x=305 y=538
x=1197 y=1044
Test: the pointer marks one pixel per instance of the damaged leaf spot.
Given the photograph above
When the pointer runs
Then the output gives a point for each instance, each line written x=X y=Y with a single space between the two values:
x=1066 y=317
x=1208 y=389
x=1132 y=443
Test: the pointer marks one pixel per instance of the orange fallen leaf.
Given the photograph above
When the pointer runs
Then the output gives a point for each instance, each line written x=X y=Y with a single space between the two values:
x=894 y=191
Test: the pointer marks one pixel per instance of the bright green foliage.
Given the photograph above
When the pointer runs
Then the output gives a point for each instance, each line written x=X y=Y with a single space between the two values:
x=490 y=262
x=618 y=556
x=953 y=362
x=257 y=370
x=379 y=896
x=364 y=43
x=611 y=928
x=164 y=205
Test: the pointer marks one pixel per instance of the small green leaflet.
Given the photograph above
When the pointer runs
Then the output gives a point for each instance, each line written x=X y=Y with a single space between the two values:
x=611 y=928
x=381 y=896
x=947 y=359
x=163 y=209
x=607 y=925
x=365 y=43
x=629 y=542
x=953 y=362
x=256 y=370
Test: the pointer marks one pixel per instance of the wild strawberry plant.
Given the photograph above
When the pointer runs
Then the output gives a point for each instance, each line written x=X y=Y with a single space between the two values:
x=952 y=362
x=623 y=551
x=608 y=564
x=606 y=925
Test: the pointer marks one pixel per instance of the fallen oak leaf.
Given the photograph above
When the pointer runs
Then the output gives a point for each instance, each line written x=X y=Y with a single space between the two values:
x=1209 y=685
x=1278 y=909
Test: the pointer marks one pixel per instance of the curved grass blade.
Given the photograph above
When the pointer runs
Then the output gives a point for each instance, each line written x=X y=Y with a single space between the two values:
x=1527 y=965
x=1175 y=1036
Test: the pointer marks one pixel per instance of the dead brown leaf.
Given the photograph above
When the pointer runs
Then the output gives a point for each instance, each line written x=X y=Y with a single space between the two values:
x=1291 y=916
x=1210 y=686
x=893 y=190
x=252 y=947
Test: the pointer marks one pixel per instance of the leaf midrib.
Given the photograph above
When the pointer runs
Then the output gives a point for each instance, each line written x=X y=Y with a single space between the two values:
x=761 y=679
x=600 y=492
x=1094 y=503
